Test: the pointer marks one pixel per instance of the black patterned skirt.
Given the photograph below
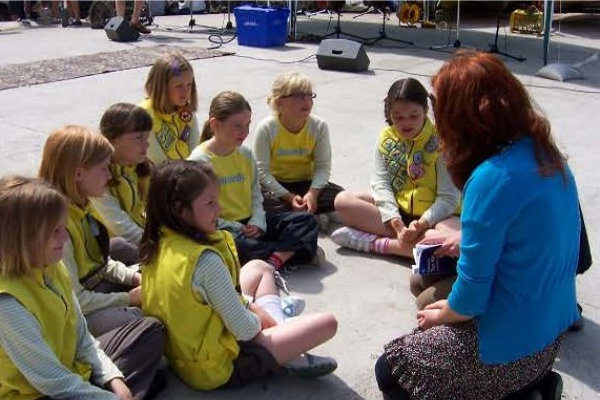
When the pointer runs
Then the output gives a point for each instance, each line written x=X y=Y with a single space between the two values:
x=443 y=363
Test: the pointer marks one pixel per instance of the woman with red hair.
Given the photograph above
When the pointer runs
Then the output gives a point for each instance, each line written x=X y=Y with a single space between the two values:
x=501 y=326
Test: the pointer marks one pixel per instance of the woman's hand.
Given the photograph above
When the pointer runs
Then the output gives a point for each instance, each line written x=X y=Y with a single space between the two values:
x=439 y=313
x=252 y=231
x=450 y=242
x=118 y=387
x=432 y=315
x=266 y=321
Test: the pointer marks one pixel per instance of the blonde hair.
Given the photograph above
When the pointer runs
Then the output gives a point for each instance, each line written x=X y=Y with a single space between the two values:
x=286 y=84
x=168 y=66
x=223 y=106
x=30 y=210
x=69 y=148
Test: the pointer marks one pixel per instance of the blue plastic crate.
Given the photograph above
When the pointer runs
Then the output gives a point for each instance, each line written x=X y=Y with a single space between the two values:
x=261 y=26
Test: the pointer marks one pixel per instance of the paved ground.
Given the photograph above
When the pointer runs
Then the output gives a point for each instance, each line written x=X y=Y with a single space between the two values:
x=369 y=295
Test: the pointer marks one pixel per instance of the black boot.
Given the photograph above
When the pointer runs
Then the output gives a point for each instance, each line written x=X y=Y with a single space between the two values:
x=551 y=386
x=578 y=324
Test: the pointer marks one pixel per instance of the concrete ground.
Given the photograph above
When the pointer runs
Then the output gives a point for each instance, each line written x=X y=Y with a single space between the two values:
x=369 y=295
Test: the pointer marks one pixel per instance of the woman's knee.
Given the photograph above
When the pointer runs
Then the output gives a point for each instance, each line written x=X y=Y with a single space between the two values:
x=416 y=285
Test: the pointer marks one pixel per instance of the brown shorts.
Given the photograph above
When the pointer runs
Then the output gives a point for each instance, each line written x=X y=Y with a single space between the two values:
x=254 y=362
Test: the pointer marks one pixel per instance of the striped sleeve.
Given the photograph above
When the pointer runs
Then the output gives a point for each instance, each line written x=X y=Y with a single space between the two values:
x=211 y=280
x=21 y=339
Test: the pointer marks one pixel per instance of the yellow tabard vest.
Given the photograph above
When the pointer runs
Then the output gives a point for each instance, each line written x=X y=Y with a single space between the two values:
x=131 y=191
x=170 y=131
x=292 y=155
x=411 y=167
x=90 y=240
x=199 y=347
x=55 y=311
x=235 y=175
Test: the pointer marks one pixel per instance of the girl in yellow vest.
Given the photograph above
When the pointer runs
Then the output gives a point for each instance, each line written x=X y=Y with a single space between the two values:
x=77 y=161
x=293 y=150
x=412 y=193
x=46 y=350
x=123 y=207
x=171 y=102
x=274 y=237
x=217 y=334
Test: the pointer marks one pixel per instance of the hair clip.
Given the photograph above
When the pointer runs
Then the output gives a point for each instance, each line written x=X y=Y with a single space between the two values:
x=175 y=68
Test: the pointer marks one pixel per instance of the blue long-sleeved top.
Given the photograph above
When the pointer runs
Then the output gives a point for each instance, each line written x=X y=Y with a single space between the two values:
x=518 y=254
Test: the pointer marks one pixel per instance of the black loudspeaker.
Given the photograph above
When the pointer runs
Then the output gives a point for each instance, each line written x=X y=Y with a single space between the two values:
x=342 y=55
x=119 y=30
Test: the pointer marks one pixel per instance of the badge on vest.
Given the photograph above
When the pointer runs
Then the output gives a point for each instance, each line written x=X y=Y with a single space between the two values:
x=185 y=134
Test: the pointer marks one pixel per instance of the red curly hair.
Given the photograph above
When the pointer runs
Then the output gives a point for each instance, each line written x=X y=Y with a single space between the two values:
x=480 y=107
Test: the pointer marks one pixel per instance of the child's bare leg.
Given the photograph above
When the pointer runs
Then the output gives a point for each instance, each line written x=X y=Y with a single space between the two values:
x=256 y=279
x=358 y=210
x=399 y=249
x=289 y=341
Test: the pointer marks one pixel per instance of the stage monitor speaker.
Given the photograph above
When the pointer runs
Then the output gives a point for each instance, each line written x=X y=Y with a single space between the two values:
x=119 y=30
x=342 y=55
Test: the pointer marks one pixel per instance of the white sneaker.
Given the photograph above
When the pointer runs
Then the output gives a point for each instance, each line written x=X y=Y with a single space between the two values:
x=353 y=239
x=292 y=306
x=311 y=366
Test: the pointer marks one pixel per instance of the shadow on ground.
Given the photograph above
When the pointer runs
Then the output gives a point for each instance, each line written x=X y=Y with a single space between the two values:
x=280 y=387
x=579 y=355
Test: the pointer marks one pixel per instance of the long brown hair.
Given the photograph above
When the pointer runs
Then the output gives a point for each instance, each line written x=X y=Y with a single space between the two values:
x=481 y=107
x=157 y=82
x=67 y=149
x=30 y=210
x=173 y=187
x=223 y=106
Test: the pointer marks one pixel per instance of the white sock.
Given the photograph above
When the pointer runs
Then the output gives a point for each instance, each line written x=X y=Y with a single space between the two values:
x=271 y=303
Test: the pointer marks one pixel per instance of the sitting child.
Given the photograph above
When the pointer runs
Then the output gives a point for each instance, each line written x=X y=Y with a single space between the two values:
x=123 y=208
x=412 y=190
x=172 y=102
x=76 y=161
x=293 y=150
x=193 y=282
x=46 y=350
x=274 y=237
